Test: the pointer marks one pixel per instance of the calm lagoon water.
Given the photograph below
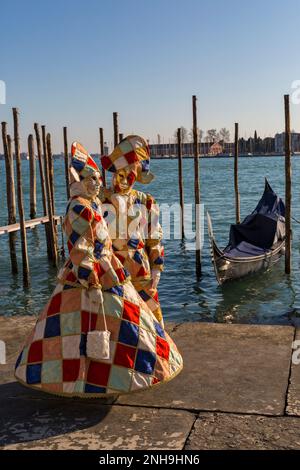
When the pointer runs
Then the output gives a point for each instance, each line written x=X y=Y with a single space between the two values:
x=267 y=297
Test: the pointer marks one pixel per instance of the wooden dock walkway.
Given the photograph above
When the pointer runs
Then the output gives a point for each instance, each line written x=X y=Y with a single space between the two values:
x=29 y=224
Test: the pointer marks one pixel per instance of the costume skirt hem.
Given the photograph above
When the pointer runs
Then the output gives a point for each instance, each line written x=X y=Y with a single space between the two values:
x=100 y=395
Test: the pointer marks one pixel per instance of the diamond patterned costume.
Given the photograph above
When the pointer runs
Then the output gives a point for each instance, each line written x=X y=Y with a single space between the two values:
x=139 y=248
x=54 y=358
x=139 y=252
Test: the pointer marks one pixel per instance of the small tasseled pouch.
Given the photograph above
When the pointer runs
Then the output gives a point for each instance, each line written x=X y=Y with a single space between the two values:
x=97 y=345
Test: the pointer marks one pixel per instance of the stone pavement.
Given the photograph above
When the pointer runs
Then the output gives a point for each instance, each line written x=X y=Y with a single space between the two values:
x=238 y=390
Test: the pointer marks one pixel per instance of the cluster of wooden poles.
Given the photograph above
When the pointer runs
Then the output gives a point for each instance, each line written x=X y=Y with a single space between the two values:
x=288 y=184
x=50 y=220
x=45 y=160
x=46 y=171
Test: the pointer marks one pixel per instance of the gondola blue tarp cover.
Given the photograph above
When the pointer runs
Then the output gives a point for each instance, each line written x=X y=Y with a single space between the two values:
x=260 y=230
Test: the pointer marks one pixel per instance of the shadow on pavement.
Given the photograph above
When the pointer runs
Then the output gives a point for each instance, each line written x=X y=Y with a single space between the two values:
x=27 y=415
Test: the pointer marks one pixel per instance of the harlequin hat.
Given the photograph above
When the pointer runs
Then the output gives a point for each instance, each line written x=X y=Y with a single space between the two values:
x=133 y=151
x=82 y=164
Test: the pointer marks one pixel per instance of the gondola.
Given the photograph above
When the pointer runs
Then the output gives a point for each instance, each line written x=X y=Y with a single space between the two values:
x=256 y=243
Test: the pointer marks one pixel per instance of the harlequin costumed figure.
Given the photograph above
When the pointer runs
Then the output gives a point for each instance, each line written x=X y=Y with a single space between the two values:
x=139 y=247
x=96 y=336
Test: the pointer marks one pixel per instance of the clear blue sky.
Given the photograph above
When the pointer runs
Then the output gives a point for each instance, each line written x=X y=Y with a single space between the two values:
x=73 y=63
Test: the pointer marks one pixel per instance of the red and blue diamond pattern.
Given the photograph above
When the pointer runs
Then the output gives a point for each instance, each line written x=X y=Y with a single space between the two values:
x=54 y=357
x=89 y=244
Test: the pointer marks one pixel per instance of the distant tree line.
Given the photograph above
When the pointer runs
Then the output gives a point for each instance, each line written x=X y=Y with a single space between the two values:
x=212 y=135
x=253 y=144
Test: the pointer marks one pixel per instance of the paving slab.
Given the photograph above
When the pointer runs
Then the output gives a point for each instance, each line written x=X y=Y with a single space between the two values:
x=225 y=431
x=232 y=368
x=33 y=421
x=293 y=399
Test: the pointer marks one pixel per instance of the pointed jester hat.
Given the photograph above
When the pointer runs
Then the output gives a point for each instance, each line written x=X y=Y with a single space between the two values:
x=132 y=152
x=82 y=164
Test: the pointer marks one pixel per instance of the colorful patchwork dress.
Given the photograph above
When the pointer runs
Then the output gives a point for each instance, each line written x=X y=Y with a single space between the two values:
x=140 y=250
x=54 y=357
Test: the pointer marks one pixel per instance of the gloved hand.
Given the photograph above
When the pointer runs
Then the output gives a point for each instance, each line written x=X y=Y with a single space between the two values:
x=95 y=295
x=155 y=277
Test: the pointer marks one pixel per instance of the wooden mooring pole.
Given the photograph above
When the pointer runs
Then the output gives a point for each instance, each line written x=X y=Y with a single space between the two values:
x=50 y=191
x=32 y=177
x=51 y=170
x=48 y=166
x=48 y=195
x=45 y=161
x=288 y=187
x=66 y=157
x=43 y=185
x=196 y=189
x=116 y=129
x=20 y=199
x=45 y=155
x=102 y=153
x=10 y=195
x=50 y=246
x=180 y=182
x=236 y=174
x=11 y=179
x=42 y=176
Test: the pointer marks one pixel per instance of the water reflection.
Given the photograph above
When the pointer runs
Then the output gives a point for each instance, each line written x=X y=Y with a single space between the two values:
x=261 y=288
x=267 y=297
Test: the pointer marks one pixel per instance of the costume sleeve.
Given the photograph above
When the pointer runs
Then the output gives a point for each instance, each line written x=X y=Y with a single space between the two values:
x=83 y=248
x=154 y=247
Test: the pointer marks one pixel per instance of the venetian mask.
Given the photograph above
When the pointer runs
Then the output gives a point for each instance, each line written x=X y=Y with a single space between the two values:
x=92 y=184
x=123 y=180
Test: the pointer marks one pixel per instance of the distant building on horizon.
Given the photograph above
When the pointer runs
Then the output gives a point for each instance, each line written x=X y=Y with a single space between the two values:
x=215 y=149
x=280 y=142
